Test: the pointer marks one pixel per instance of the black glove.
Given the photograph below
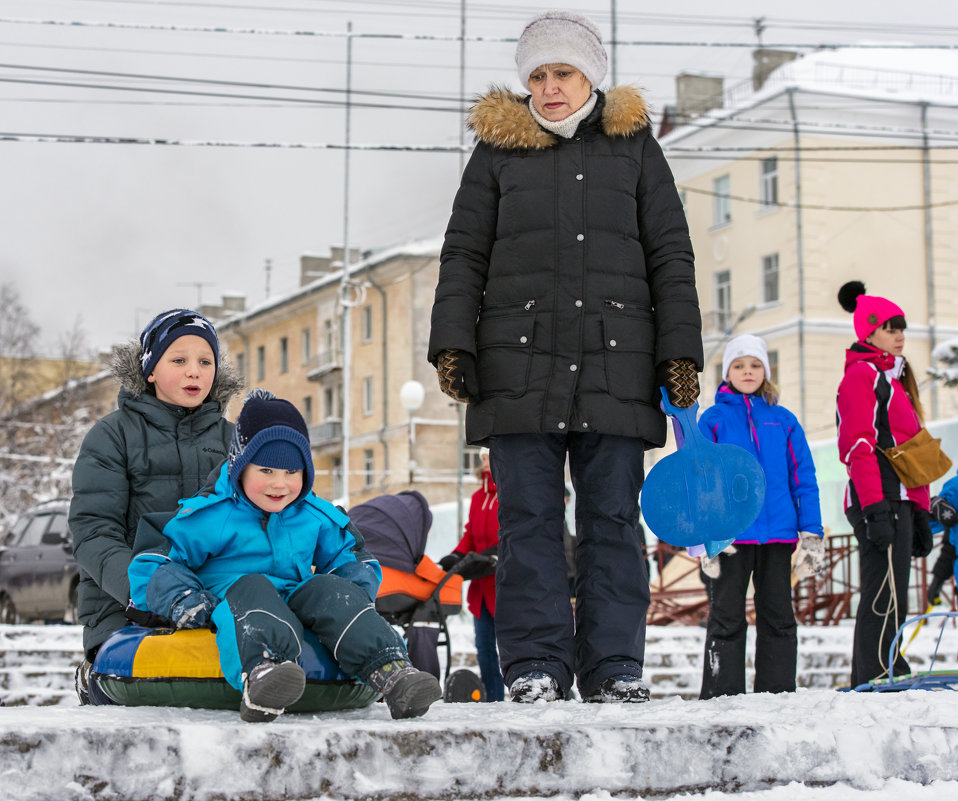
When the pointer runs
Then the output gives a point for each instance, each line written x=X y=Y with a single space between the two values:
x=921 y=540
x=458 y=377
x=149 y=619
x=934 y=590
x=944 y=512
x=449 y=560
x=492 y=550
x=475 y=565
x=879 y=525
x=681 y=382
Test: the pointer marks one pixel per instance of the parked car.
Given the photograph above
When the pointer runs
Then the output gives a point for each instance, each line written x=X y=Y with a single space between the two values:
x=38 y=574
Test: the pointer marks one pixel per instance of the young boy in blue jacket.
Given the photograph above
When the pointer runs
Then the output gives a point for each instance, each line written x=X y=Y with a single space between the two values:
x=944 y=518
x=258 y=557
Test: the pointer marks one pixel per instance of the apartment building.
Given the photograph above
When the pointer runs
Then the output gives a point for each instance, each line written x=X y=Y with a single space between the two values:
x=836 y=166
x=342 y=349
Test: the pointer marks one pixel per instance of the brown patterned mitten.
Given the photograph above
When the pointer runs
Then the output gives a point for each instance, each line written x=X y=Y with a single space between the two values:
x=457 y=375
x=681 y=382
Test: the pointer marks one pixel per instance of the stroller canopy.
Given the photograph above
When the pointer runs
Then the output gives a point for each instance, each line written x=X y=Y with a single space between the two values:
x=395 y=528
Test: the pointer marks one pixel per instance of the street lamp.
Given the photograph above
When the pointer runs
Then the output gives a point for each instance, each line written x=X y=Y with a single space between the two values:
x=411 y=395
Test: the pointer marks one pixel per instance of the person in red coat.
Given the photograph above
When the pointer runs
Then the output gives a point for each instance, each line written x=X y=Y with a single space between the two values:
x=475 y=557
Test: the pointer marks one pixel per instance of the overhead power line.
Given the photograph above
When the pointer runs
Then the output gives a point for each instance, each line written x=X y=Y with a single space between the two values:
x=419 y=37
x=816 y=206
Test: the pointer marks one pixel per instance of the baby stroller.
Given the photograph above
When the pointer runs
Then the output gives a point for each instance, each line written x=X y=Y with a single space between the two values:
x=416 y=594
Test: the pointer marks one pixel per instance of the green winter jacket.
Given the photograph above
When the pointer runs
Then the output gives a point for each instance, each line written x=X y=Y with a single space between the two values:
x=143 y=457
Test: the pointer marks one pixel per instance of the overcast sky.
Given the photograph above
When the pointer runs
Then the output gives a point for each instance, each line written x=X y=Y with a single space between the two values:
x=107 y=234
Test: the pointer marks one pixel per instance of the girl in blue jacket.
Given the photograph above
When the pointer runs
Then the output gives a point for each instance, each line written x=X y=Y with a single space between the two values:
x=258 y=557
x=746 y=413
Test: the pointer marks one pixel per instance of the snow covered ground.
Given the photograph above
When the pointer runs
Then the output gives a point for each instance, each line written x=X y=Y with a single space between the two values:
x=817 y=744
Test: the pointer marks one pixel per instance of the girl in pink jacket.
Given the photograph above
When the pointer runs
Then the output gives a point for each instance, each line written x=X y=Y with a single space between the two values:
x=878 y=407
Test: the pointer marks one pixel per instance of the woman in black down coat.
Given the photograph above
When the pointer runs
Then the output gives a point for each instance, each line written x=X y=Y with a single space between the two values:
x=566 y=296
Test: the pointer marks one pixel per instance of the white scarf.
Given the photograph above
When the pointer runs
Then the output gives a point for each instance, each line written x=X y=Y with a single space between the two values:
x=565 y=128
x=896 y=370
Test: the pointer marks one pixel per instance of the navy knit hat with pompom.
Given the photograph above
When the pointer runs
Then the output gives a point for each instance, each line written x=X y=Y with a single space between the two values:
x=270 y=432
x=169 y=326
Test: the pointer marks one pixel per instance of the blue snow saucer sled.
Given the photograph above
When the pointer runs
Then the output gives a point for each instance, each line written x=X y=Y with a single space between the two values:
x=140 y=666
x=921 y=680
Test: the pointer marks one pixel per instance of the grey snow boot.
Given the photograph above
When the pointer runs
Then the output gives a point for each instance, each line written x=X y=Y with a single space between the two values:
x=408 y=692
x=625 y=689
x=269 y=688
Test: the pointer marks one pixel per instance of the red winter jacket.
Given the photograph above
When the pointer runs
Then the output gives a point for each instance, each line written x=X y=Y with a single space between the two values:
x=482 y=532
x=874 y=411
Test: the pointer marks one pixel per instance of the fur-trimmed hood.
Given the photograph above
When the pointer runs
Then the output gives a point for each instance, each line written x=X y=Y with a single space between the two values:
x=125 y=367
x=502 y=118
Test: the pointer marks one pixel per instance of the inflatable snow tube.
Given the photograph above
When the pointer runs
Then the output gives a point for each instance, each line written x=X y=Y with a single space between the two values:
x=139 y=666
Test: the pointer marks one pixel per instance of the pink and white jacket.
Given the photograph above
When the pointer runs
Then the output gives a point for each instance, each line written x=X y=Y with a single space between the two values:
x=874 y=412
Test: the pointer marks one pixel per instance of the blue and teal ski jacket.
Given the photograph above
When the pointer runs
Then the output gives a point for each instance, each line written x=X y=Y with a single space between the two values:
x=218 y=536
x=773 y=435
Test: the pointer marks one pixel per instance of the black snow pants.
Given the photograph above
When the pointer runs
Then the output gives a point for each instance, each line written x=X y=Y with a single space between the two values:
x=535 y=629
x=776 y=641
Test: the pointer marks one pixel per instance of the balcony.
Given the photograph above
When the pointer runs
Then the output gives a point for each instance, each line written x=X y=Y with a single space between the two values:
x=328 y=432
x=323 y=363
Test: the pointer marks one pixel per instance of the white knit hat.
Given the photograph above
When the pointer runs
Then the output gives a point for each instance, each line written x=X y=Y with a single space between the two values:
x=746 y=345
x=561 y=37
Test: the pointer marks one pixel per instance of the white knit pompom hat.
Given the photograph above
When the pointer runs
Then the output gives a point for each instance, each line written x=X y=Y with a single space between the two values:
x=561 y=37
x=746 y=345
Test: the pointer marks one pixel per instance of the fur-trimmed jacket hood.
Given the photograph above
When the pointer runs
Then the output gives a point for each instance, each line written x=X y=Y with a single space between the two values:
x=125 y=367
x=502 y=118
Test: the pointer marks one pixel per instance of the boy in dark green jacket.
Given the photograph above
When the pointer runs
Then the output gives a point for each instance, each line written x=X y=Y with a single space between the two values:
x=165 y=437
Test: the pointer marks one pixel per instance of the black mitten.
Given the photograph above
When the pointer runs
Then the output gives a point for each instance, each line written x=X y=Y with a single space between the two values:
x=458 y=377
x=449 y=560
x=921 y=540
x=944 y=512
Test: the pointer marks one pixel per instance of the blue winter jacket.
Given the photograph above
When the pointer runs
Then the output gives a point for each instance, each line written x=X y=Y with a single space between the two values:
x=218 y=536
x=772 y=434
x=949 y=491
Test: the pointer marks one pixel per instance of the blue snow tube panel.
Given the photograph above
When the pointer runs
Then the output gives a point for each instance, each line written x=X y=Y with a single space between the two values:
x=140 y=666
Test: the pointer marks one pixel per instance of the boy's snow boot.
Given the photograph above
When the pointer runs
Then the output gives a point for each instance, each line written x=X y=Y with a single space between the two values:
x=620 y=689
x=81 y=681
x=536 y=685
x=269 y=688
x=408 y=692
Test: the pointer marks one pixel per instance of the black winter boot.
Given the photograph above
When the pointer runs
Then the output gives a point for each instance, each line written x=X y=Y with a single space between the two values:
x=269 y=688
x=408 y=692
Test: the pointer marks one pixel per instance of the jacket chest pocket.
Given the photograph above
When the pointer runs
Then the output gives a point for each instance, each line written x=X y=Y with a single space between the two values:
x=505 y=354
x=629 y=341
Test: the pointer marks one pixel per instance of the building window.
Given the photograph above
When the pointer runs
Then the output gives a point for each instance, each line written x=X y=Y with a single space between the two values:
x=369 y=466
x=337 y=477
x=770 y=278
x=773 y=366
x=367 y=324
x=307 y=346
x=769 y=188
x=241 y=365
x=328 y=335
x=329 y=409
x=308 y=410
x=721 y=202
x=723 y=300
x=368 y=395
x=471 y=461
x=260 y=363
x=284 y=354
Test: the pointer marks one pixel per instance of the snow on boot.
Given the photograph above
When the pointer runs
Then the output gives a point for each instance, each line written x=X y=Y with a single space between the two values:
x=81 y=681
x=408 y=692
x=269 y=688
x=535 y=686
x=623 y=689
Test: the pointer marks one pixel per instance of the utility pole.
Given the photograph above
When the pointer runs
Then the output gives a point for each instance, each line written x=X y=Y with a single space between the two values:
x=345 y=288
x=199 y=290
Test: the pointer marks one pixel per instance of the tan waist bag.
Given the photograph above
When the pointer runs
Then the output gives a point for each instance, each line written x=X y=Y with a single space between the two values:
x=919 y=460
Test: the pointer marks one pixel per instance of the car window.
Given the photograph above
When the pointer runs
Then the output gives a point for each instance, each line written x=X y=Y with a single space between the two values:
x=57 y=533
x=33 y=533
x=13 y=535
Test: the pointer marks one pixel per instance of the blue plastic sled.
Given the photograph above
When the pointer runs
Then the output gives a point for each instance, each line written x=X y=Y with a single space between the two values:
x=922 y=680
x=706 y=493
